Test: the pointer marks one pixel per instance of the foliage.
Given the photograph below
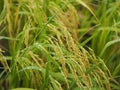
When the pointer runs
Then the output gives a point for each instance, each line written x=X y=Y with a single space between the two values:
x=50 y=45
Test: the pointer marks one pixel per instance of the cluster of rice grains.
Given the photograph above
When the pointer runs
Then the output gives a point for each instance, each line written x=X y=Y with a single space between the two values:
x=45 y=50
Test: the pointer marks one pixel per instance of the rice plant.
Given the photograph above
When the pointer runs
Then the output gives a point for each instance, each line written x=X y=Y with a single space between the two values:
x=43 y=45
x=103 y=36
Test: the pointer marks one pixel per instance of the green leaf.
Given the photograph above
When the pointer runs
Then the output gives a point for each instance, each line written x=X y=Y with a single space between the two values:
x=86 y=6
x=108 y=45
x=8 y=38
